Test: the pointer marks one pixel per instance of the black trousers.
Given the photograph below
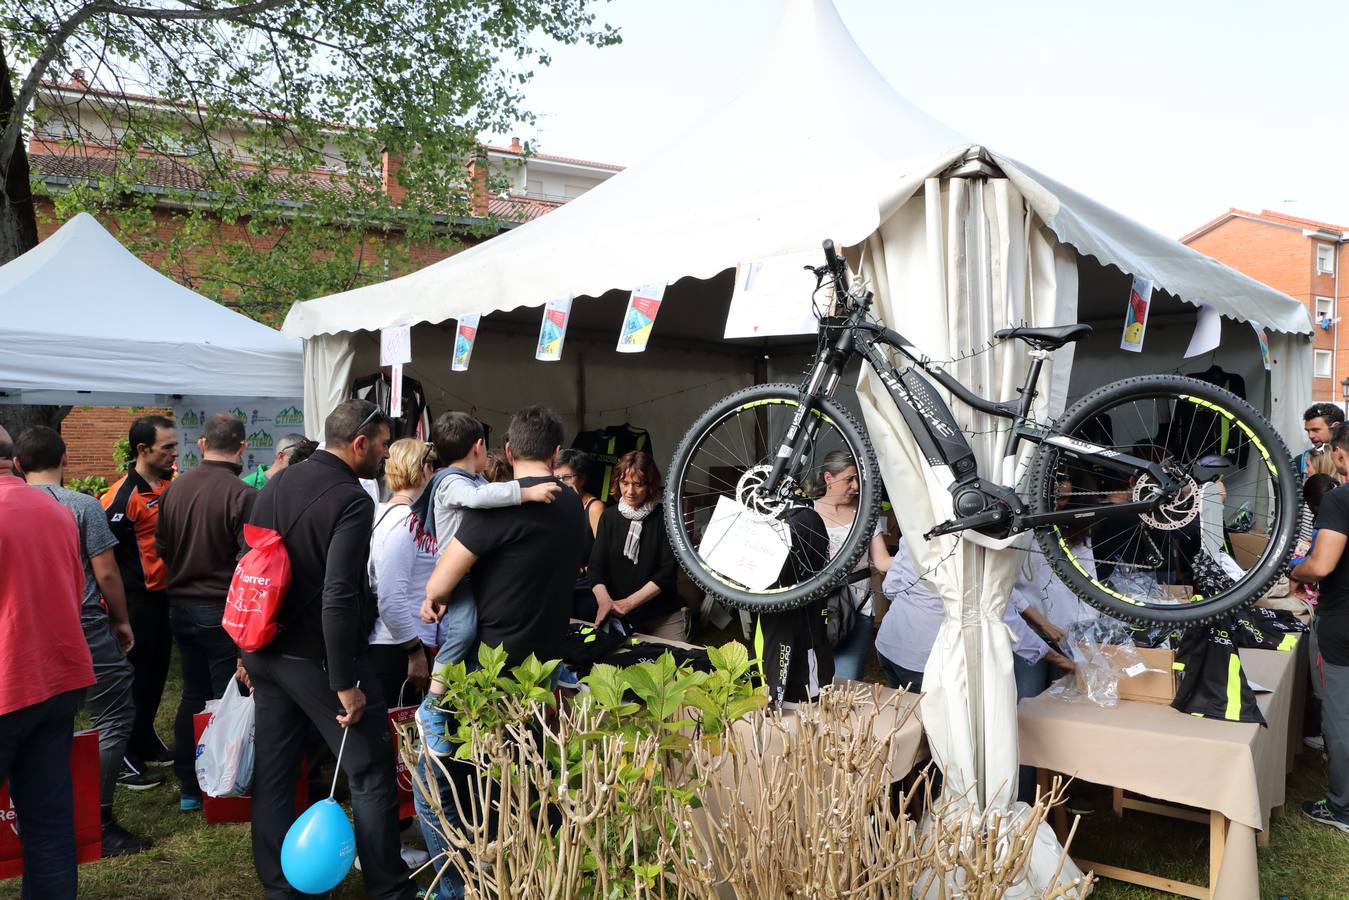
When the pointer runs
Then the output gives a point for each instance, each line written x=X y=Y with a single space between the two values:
x=149 y=615
x=35 y=758
x=390 y=662
x=207 y=656
x=288 y=691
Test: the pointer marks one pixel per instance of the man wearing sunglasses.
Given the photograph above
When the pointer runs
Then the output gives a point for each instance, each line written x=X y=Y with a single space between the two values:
x=317 y=667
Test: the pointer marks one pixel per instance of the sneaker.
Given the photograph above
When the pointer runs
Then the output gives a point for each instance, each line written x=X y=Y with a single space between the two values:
x=1317 y=811
x=189 y=804
x=117 y=841
x=1079 y=805
x=415 y=857
x=433 y=724
x=162 y=756
x=1314 y=742
x=135 y=778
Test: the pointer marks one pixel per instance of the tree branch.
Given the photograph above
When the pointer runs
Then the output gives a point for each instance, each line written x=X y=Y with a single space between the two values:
x=28 y=90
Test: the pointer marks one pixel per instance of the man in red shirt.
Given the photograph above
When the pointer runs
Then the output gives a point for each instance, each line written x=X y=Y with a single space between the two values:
x=132 y=505
x=44 y=668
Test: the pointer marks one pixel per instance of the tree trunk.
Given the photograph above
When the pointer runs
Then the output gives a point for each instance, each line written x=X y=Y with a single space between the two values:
x=18 y=235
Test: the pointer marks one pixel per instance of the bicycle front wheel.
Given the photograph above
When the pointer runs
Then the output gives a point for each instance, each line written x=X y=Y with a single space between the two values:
x=1237 y=497
x=714 y=499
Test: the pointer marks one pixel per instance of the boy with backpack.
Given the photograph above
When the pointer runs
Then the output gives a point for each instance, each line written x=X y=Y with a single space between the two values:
x=458 y=487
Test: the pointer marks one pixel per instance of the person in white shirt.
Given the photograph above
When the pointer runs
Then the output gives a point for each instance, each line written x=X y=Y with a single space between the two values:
x=402 y=557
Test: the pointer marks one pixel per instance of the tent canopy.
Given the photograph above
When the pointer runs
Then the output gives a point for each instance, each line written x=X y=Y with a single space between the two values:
x=82 y=320
x=813 y=144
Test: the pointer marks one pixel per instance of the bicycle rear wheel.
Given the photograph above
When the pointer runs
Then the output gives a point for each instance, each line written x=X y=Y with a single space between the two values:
x=1175 y=565
x=713 y=498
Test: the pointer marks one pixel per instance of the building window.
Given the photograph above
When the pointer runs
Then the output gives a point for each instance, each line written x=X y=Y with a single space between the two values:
x=1325 y=259
x=572 y=191
x=1325 y=311
x=1321 y=362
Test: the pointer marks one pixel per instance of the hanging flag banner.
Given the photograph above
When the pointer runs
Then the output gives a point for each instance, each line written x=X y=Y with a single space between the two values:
x=396 y=390
x=1136 y=316
x=1265 y=356
x=553 y=330
x=641 y=315
x=1208 y=329
x=466 y=331
x=395 y=345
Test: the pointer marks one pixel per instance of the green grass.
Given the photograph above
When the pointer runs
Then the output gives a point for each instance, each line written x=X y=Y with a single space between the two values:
x=191 y=859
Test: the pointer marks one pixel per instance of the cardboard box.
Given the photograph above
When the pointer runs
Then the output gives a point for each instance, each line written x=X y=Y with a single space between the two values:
x=1148 y=686
x=1246 y=548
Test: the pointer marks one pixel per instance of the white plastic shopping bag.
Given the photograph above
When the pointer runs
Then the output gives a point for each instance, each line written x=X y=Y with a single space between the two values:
x=225 y=753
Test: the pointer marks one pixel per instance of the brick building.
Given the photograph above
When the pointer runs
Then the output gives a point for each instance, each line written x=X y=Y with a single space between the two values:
x=77 y=139
x=1300 y=257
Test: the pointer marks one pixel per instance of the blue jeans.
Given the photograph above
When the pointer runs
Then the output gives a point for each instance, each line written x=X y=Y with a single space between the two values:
x=451 y=885
x=458 y=630
x=35 y=758
x=208 y=657
x=1031 y=681
x=850 y=656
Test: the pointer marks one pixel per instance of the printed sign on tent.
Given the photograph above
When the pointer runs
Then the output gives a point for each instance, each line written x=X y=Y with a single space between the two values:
x=1207 y=332
x=1263 y=338
x=1136 y=316
x=395 y=345
x=553 y=330
x=466 y=332
x=640 y=317
x=772 y=297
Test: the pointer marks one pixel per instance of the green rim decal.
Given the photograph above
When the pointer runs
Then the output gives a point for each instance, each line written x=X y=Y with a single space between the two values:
x=780 y=401
x=1063 y=543
x=1259 y=445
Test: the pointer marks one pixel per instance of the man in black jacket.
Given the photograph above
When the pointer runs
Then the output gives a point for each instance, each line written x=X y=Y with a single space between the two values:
x=316 y=667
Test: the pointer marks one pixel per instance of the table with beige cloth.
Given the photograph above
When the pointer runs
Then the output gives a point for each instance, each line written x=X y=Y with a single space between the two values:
x=1232 y=769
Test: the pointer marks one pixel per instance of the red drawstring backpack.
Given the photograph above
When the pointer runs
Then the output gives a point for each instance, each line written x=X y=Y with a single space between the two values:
x=257 y=589
x=259 y=585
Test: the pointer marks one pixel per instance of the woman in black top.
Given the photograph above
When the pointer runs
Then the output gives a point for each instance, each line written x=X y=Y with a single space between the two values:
x=632 y=565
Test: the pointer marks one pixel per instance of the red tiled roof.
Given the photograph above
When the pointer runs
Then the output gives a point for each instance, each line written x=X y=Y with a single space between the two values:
x=1266 y=215
x=521 y=209
x=562 y=159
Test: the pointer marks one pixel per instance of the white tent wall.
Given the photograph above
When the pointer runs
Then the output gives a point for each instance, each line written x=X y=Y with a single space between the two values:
x=949 y=268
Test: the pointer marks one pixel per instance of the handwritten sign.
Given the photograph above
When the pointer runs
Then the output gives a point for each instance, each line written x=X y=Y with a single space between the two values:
x=745 y=547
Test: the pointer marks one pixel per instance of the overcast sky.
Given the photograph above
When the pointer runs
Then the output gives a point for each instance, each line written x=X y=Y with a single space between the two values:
x=1169 y=111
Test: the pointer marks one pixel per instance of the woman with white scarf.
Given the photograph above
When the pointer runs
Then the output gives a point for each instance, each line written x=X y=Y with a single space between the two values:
x=631 y=563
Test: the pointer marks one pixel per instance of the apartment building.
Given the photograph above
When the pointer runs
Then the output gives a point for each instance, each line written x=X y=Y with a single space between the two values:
x=1300 y=257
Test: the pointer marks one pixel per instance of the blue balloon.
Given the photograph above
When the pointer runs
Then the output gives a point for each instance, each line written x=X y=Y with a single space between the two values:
x=319 y=848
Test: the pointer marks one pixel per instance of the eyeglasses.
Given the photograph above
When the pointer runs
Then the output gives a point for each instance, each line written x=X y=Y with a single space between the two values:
x=366 y=421
x=430 y=458
x=567 y=478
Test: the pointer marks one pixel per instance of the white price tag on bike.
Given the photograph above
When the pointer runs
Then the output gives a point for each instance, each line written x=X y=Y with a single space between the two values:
x=745 y=547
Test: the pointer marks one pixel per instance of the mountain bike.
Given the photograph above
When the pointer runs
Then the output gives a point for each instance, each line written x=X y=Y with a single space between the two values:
x=1116 y=491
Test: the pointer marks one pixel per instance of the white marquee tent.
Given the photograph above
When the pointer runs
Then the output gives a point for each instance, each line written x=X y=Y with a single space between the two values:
x=957 y=241
x=83 y=321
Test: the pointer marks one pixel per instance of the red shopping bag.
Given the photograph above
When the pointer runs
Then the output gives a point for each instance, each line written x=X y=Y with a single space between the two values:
x=240 y=809
x=84 y=772
x=399 y=715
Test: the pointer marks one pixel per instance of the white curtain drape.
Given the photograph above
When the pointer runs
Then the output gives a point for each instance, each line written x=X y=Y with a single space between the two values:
x=327 y=372
x=949 y=268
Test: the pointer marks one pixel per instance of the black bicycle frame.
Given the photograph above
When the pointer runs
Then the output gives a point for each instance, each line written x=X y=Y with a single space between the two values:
x=939 y=436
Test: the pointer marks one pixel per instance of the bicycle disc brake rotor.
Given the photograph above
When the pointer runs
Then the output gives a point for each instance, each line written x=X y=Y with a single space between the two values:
x=750 y=494
x=1175 y=513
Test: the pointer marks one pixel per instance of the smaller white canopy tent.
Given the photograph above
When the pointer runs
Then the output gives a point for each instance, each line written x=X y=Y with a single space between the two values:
x=83 y=321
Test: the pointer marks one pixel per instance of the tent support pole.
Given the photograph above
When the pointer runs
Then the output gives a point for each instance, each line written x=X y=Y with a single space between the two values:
x=580 y=392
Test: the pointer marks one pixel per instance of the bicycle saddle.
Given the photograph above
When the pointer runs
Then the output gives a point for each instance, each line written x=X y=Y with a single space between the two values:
x=1048 y=338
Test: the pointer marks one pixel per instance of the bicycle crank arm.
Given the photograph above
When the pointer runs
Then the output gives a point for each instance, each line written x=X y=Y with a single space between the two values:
x=985 y=519
x=1063 y=517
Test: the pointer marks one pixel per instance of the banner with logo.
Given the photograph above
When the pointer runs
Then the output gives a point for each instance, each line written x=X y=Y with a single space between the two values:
x=553 y=330
x=465 y=333
x=1265 y=356
x=266 y=420
x=640 y=317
